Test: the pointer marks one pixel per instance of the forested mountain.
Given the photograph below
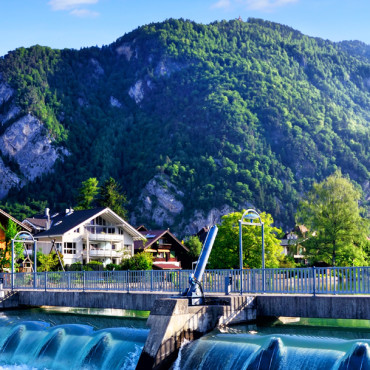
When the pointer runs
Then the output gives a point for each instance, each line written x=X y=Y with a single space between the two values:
x=193 y=120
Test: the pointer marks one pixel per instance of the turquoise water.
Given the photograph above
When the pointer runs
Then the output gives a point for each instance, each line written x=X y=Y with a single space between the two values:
x=95 y=339
x=43 y=339
x=306 y=344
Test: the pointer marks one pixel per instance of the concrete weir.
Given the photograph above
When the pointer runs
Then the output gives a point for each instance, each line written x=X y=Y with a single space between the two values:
x=172 y=320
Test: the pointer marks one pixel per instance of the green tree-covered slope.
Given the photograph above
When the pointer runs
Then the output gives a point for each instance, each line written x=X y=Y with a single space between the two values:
x=232 y=113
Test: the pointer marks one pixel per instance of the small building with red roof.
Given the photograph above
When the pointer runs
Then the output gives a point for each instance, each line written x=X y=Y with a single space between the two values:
x=168 y=252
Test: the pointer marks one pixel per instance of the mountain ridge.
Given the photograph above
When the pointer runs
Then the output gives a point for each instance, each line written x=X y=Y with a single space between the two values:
x=230 y=114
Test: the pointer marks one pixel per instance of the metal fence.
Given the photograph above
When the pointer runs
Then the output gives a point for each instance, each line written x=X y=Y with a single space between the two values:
x=328 y=280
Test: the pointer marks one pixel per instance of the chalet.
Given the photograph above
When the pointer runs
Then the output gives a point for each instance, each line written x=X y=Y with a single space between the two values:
x=291 y=243
x=39 y=223
x=168 y=252
x=93 y=234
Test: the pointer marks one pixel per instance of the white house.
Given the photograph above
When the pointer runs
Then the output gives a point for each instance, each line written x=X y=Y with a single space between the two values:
x=94 y=234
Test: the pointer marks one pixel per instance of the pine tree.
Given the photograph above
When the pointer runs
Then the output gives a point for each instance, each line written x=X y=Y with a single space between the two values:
x=111 y=196
x=87 y=194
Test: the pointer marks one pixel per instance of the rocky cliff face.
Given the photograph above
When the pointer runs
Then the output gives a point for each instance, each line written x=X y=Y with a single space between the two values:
x=24 y=142
x=27 y=143
x=160 y=202
x=8 y=179
x=164 y=205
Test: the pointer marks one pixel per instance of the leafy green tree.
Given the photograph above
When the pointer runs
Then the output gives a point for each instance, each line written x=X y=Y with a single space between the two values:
x=48 y=262
x=194 y=245
x=87 y=194
x=331 y=211
x=139 y=261
x=10 y=232
x=225 y=252
x=111 y=196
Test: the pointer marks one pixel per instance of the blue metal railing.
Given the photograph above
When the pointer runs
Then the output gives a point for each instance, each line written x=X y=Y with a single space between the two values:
x=315 y=280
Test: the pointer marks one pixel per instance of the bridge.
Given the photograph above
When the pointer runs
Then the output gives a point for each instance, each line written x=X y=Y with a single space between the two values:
x=342 y=293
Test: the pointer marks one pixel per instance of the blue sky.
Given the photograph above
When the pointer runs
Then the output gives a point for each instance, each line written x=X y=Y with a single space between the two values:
x=80 y=23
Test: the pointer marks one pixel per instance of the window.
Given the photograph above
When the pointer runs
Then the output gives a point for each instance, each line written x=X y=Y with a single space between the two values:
x=69 y=248
x=173 y=254
x=111 y=230
x=58 y=247
x=120 y=231
x=100 y=221
x=77 y=230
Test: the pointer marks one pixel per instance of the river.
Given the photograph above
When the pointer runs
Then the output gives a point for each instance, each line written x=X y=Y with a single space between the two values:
x=100 y=339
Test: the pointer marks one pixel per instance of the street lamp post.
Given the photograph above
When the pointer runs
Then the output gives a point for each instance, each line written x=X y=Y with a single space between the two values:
x=24 y=237
x=250 y=215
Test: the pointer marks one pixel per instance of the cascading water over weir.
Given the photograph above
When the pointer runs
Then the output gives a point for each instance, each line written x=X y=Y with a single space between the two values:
x=36 y=345
x=251 y=352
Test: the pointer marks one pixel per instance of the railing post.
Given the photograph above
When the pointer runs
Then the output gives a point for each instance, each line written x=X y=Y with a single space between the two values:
x=151 y=280
x=68 y=280
x=46 y=276
x=179 y=280
x=128 y=281
x=83 y=280
x=12 y=264
x=314 y=280
x=34 y=266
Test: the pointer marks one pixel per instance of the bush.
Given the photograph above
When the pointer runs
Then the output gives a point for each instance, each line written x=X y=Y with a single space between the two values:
x=112 y=266
x=287 y=262
x=140 y=261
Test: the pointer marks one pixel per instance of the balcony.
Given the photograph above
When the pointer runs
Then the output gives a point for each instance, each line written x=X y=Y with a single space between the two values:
x=104 y=253
x=105 y=237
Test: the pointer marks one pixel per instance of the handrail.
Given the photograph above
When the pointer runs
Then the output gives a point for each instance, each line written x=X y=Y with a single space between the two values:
x=315 y=281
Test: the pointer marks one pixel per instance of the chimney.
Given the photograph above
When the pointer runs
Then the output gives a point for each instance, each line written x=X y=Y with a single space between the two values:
x=69 y=211
x=47 y=214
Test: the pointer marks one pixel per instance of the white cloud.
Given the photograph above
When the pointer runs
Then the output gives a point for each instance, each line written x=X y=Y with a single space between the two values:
x=69 y=4
x=84 y=13
x=224 y=4
x=267 y=4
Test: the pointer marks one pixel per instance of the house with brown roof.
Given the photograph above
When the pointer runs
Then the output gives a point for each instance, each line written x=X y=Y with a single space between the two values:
x=168 y=252
x=292 y=243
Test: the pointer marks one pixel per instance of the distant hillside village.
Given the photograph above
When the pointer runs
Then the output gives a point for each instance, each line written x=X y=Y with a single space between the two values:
x=98 y=238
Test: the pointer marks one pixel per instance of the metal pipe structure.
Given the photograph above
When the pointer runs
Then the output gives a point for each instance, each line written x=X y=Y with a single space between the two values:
x=206 y=251
x=195 y=290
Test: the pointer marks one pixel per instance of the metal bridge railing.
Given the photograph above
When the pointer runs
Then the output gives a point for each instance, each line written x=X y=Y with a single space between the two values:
x=315 y=280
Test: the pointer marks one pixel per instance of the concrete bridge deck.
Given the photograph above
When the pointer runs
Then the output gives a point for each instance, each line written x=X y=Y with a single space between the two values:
x=292 y=305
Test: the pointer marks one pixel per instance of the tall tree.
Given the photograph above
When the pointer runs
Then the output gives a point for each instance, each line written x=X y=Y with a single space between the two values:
x=87 y=193
x=331 y=211
x=225 y=252
x=111 y=196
